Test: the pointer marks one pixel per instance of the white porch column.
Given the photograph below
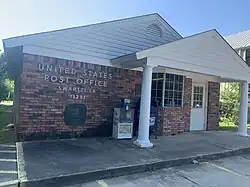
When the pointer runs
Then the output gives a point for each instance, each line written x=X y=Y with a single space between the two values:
x=244 y=54
x=143 y=132
x=239 y=52
x=242 y=131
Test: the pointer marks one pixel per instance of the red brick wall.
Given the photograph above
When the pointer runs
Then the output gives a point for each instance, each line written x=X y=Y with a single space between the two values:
x=213 y=106
x=174 y=121
x=42 y=102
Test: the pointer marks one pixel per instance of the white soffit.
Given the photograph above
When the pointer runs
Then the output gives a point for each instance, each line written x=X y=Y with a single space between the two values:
x=206 y=53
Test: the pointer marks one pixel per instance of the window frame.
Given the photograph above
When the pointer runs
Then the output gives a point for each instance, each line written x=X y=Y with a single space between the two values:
x=164 y=90
x=156 y=90
x=202 y=94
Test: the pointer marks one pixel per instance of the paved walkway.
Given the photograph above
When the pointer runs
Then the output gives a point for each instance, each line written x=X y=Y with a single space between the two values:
x=228 y=172
x=8 y=167
x=91 y=158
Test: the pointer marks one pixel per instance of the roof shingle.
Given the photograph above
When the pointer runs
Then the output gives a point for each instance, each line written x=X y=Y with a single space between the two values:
x=239 y=40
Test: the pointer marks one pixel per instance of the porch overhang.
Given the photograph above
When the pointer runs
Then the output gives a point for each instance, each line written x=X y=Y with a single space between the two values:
x=205 y=53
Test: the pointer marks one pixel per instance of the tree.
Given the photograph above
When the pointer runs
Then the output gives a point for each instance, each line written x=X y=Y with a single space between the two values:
x=3 y=66
x=6 y=85
x=230 y=103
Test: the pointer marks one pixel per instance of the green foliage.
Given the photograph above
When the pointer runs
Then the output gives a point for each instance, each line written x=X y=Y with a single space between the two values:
x=3 y=68
x=6 y=85
x=3 y=91
x=6 y=117
x=230 y=103
x=9 y=84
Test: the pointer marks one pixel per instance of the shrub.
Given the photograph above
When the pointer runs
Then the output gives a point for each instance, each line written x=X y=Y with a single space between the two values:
x=230 y=103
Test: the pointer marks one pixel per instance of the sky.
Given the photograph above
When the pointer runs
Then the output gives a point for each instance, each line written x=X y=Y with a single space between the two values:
x=21 y=17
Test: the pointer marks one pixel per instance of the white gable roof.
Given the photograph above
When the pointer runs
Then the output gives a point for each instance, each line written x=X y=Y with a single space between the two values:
x=105 y=40
x=205 y=53
x=239 y=40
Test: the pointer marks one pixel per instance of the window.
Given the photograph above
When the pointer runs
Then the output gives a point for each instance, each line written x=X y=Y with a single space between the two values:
x=157 y=86
x=138 y=90
x=173 y=90
x=248 y=89
x=167 y=89
x=248 y=57
x=198 y=97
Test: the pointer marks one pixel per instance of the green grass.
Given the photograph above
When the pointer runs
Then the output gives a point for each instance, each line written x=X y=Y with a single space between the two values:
x=7 y=103
x=6 y=117
x=229 y=127
x=7 y=137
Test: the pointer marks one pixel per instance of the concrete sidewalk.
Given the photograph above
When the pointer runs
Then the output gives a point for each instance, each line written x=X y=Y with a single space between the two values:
x=56 y=163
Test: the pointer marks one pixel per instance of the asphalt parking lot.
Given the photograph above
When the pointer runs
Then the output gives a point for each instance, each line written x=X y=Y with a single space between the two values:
x=8 y=168
x=228 y=172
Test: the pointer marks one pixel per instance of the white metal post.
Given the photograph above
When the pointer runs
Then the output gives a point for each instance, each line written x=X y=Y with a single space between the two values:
x=143 y=132
x=242 y=131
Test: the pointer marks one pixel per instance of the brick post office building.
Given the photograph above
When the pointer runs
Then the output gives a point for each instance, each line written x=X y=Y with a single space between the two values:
x=140 y=57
